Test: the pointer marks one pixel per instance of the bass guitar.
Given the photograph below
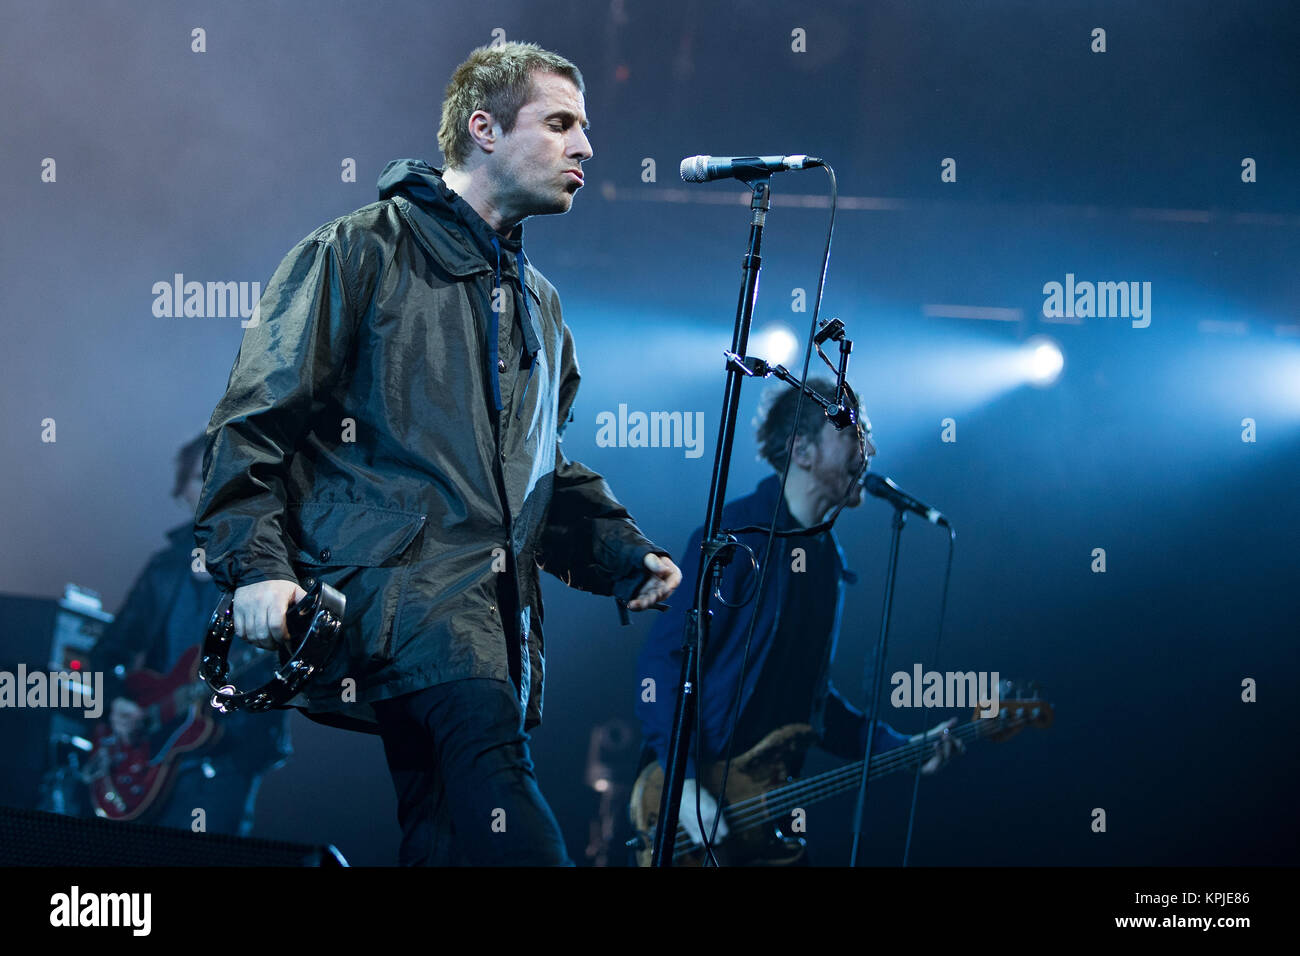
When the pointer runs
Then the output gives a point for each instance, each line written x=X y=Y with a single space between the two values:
x=762 y=795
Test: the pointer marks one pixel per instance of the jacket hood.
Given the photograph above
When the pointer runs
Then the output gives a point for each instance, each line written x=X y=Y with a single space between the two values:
x=465 y=242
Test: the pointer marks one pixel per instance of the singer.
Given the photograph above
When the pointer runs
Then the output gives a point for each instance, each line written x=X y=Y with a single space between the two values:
x=786 y=679
x=392 y=427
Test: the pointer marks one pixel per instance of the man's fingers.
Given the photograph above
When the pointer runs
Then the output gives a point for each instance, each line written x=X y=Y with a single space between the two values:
x=941 y=727
x=259 y=611
x=672 y=575
x=646 y=599
x=256 y=631
x=276 y=627
x=246 y=628
x=664 y=581
x=667 y=573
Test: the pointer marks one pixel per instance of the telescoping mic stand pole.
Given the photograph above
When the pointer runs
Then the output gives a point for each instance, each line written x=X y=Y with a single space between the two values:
x=697 y=621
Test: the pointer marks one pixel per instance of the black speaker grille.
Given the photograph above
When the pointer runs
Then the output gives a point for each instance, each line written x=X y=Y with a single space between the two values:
x=35 y=838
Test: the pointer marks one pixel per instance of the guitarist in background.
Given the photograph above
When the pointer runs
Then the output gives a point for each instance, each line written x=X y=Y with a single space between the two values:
x=786 y=679
x=166 y=612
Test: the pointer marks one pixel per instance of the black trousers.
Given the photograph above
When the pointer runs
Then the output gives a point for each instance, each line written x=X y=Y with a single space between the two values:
x=466 y=792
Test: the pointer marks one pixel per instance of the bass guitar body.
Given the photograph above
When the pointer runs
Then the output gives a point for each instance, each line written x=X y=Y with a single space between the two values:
x=754 y=774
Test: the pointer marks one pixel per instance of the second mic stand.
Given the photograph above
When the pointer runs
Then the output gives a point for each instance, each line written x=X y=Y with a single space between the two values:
x=713 y=553
x=715 y=546
x=877 y=664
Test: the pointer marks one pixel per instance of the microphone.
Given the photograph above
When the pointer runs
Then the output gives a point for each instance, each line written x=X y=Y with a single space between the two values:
x=886 y=489
x=703 y=169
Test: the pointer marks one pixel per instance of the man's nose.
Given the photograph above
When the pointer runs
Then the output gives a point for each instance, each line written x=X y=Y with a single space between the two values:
x=581 y=147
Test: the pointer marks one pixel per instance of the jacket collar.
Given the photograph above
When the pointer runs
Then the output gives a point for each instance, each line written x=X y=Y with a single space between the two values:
x=764 y=499
x=449 y=227
x=458 y=237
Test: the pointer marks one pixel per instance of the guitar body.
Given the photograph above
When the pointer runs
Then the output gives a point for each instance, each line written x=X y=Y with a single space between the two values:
x=754 y=775
x=133 y=776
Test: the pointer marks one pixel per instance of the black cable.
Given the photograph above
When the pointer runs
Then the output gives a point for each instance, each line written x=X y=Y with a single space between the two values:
x=753 y=590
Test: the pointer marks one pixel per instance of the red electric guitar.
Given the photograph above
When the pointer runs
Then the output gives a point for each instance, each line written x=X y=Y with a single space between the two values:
x=129 y=777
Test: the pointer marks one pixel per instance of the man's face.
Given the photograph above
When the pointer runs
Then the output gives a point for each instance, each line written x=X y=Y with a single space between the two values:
x=838 y=458
x=538 y=163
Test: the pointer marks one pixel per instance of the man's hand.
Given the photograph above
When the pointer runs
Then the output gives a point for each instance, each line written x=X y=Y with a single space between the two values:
x=945 y=744
x=259 y=609
x=708 y=810
x=665 y=576
x=125 y=717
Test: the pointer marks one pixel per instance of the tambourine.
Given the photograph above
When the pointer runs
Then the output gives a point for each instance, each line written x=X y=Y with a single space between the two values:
x=314 y=625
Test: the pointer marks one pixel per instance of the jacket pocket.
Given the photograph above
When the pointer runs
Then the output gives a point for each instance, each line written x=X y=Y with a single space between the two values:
x=346 y=534
x=361 y=550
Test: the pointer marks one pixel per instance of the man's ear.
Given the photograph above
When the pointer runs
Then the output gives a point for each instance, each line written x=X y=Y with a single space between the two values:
x=483 y=130
x=802 y=456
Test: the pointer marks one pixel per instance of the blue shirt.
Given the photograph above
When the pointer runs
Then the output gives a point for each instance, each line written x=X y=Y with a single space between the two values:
x=782 y=617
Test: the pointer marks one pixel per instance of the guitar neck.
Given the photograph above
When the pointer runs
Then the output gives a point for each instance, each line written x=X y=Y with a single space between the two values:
x=779 y=802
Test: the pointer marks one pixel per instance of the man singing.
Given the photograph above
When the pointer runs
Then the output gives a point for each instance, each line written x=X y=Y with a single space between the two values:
x=392 y=427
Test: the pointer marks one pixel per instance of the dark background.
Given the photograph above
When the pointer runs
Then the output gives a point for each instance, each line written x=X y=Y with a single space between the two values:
x=1123 y=165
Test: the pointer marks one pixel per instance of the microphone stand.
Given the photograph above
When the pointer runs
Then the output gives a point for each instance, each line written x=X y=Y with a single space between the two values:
x=877 y=664
x=697 y=620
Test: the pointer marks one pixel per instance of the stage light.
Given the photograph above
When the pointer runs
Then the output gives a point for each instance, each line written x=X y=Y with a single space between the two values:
x=1043 y=360
x=775 y=344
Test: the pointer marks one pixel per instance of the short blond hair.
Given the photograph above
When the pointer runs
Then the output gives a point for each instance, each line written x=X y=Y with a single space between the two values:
x=499 y=80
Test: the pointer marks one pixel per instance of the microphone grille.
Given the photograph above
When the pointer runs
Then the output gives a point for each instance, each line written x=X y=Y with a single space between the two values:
x=695 y=169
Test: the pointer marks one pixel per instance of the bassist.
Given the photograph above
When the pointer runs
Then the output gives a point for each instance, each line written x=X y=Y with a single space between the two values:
x=786 y=678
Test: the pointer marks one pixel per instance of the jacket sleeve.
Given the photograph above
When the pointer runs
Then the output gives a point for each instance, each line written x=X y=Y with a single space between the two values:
x=589 y=540
x=846 y=729
x=286 y=361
